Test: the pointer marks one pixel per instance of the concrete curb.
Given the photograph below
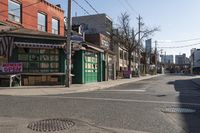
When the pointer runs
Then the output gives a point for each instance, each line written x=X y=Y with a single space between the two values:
x=116 y=84
x=38 y=91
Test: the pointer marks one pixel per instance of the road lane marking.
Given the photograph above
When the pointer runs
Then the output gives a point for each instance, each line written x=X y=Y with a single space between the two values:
x=123 y=90
x=119 y=100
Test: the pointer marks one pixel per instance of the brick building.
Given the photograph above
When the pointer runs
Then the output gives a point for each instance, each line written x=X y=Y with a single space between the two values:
x=27 y=13
x=32 y=34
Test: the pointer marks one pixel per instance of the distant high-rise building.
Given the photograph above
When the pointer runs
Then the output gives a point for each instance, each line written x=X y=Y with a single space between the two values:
x=169 y=59
x=180 y=59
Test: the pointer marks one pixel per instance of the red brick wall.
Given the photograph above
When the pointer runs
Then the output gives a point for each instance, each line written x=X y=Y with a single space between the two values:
x=96 y=38
x=30 y=8
x=93 y=38
x=3 y=10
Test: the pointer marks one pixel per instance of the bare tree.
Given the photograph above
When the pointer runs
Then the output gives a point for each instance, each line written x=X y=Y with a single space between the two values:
x=127 y=35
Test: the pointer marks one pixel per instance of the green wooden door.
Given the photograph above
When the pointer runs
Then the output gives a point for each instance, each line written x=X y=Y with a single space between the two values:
x=91 y=67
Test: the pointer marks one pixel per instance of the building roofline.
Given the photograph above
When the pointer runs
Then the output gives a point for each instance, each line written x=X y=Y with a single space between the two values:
x=52 y=5
x=94 y=15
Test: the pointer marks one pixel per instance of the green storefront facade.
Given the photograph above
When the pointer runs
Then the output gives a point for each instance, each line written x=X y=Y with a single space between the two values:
x=41 y=55
x=88 y=66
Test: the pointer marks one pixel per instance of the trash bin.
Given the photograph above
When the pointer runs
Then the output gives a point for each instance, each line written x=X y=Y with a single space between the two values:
x=127 y=74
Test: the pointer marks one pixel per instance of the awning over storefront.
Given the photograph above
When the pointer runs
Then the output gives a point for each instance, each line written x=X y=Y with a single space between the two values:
x=92 y=46
x=95 y=48
x=6 y=46
x=77 y=46
x=11 y=37
x=38 y=45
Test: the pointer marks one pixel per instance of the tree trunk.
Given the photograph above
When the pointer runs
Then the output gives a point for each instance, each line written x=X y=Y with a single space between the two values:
x=129 y=60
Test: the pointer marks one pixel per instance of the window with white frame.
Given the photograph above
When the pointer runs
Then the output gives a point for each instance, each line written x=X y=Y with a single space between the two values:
x=55 y=26
x=42 y=22
x=14 y=11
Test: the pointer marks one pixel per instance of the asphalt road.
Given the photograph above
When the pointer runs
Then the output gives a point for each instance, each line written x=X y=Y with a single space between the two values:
x=134 y=107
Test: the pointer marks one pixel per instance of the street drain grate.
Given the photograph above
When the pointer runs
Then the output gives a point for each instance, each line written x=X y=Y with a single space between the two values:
x=178 y=110
x=51 y=125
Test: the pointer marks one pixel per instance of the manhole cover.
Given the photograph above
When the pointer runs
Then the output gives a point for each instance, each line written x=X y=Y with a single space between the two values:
x=178 y=110
x=51 y=125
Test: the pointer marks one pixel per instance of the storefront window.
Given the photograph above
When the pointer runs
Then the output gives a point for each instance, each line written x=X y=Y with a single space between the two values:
x=54 y=57
x=91 y=67
x=23 y=57
x=39 y=60
x=34 y=57
x=44 y=51
x=25 y=65
x=44 y=65
x=55 y=65
x=44 y=58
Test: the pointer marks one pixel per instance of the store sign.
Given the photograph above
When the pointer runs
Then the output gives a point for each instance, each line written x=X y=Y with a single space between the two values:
x=105 y=42
x=12 y=68
x=77 y=38
x=76 y=47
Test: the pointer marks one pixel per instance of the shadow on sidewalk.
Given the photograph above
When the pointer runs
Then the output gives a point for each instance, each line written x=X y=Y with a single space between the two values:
x=179 y=74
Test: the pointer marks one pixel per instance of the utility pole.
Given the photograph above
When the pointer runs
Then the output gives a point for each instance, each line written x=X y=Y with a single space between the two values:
x=156 y=62
x=139 y=30
x=68 y=61
x=165 y=59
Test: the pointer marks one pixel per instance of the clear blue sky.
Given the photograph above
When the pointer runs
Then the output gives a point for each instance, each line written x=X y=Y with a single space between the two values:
x=178 y=19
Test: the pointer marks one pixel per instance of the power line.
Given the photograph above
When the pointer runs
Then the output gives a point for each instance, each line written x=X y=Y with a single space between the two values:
x=180 y=41
x=131 y=7
x=125 y=7
x=123 y=4
x=81 y=7
x=91 y=6
x=183 y=46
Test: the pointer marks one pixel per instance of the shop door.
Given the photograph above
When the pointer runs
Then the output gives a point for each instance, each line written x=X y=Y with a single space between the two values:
x=103 y=70
x=91 y=67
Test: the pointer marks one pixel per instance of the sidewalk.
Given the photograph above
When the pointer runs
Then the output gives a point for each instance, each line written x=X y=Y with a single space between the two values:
x=75 y=88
